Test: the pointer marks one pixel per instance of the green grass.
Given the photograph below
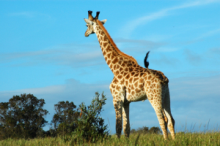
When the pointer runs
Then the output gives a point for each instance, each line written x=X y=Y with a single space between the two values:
x=182 y=139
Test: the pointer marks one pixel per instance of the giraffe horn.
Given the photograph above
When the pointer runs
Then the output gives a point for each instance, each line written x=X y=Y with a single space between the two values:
x=97 y=15
x=90 y=15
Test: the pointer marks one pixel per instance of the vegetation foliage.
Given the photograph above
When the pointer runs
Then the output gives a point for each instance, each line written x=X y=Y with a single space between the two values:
x=22 y=117
x=90 y=126
x=64 y=119
x=146 y=130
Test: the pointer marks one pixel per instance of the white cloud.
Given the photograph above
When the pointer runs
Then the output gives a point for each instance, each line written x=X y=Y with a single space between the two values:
x=195 y=88
x=61 y=55
x=131 y=26
x=139 y=46
x=202 y=37
x=208 y=34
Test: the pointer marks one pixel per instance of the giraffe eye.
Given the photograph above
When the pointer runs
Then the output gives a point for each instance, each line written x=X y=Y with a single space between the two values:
x=86 y=25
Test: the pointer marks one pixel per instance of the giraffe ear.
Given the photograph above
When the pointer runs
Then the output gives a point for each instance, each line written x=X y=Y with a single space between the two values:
x=103 y=21
x=88 y=21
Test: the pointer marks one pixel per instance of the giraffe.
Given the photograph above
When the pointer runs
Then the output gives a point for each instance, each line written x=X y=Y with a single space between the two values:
x=132 y=82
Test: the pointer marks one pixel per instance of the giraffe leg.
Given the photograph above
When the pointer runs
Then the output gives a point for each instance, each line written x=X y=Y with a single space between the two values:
x=118 y=111
x=161 y=120
x=167 y=111
x=117 y=101
x=156 y=102
x=126 y=123
x=165 y=119
x=171 y=123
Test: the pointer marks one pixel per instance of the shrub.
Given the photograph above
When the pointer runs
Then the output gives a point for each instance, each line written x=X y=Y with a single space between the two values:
x=90 y=126
x=155 y=130
x=145 y=130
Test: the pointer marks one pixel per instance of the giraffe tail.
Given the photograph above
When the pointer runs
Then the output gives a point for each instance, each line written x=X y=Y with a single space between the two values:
x=146 y=63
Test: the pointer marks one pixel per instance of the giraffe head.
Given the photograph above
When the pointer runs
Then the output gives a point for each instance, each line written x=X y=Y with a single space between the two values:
x=91 y=23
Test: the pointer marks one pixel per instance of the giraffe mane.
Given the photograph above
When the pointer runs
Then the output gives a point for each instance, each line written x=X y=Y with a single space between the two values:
x=113 y=43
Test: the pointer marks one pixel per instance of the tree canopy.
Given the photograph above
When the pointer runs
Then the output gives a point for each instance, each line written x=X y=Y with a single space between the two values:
x=22 y=117
x=64 y=119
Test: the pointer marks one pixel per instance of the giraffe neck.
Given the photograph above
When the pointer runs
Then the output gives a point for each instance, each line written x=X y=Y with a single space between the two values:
x=113 y=56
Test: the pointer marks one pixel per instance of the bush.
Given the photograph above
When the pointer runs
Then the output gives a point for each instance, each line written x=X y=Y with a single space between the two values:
x=145 y=130
x=90 y=126
x=155 y=130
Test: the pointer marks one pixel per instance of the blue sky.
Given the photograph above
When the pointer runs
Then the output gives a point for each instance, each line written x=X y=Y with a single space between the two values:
x=43 y=51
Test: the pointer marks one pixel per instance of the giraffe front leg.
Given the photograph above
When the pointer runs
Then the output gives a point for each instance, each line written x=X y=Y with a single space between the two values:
x=126 y=123
x=118 y=112
x=117 y=101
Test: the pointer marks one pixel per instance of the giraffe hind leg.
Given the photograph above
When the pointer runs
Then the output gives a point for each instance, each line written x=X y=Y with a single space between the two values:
x=157 y=105
x=171 y=123
x=165 y=119
x=167 y=111
x=126 y=123
x=161 y=120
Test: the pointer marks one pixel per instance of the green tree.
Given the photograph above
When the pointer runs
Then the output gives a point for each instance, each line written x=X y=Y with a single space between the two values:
x=63 y=121
x=143 y=130
x=22 y=117
x=90 y=126
x=155 y=130
x=146 y=130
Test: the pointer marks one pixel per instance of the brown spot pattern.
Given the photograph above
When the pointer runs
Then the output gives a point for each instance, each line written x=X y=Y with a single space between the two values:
x=115 y=81
x=130 y=69
x=104 y=44
x=115 y=60
x=104 y=53
x=136 y=84
x=119 y=76
x=141 y=86
x=130 y=80
x=108 y=49
x=135 y=79
x=108 y=55
x=117 y=72
x=117 y=88
x=105 y=38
